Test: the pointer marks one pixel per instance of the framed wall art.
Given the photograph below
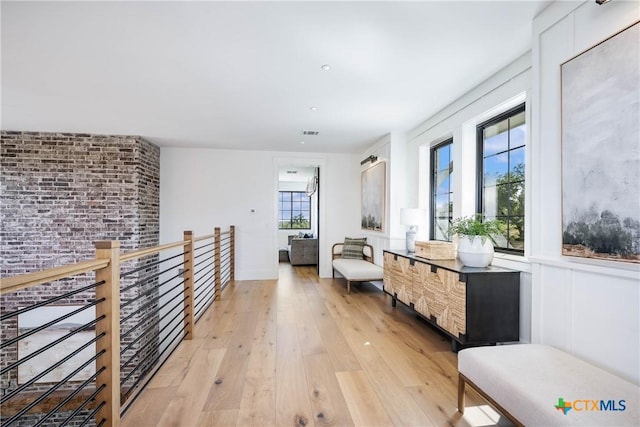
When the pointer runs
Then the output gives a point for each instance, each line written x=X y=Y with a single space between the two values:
x=373 y=197
x=601 y=150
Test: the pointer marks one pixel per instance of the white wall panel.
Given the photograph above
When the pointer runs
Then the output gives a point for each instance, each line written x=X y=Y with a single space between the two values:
x=606 y=320
x=556 y=43
x=556 y=305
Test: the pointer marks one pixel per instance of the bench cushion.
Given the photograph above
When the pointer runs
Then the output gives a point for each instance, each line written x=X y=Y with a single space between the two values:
x=357 y=269
x=528 y=380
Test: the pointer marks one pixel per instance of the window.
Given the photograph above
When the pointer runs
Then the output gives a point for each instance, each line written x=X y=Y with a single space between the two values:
x=441 y=190
x=501 y=164
x=294 y=210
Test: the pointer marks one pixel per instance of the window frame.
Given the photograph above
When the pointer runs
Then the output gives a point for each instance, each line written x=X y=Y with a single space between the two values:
x=291 y=210
x=520 y=108
x=432 y=174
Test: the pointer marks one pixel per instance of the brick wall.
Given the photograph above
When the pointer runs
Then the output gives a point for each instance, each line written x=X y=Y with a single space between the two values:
x=61 y=192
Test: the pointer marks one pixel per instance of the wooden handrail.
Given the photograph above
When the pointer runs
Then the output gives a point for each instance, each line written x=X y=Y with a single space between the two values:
x=211 y=236
x=13 y=284
x=208 y=236
x=148 y=251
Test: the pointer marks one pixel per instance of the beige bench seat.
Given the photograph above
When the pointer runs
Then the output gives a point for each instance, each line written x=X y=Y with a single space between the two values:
x=527 y=382
x=355 y=270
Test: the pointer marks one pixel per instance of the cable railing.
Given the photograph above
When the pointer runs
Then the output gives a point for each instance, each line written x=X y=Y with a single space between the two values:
x=206 y=250
x=226 y=258
x=80 y=341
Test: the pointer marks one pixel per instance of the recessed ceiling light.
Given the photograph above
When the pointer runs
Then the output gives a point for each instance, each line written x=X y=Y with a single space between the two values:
x=301 y=142
x=325 y=67
x=313 y=108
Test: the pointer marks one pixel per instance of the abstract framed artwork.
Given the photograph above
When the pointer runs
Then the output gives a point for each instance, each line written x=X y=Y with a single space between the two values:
x=601 y=150
x=373 y=197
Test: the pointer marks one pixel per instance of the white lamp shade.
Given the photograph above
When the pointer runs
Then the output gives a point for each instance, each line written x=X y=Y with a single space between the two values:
x=411 y=216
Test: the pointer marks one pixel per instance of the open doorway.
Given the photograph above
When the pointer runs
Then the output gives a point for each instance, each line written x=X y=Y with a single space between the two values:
x=299 y=214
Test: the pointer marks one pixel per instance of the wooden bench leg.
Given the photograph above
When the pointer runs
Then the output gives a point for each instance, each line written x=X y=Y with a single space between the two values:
x=461 y=384
x=463 y=381
x=348 y=287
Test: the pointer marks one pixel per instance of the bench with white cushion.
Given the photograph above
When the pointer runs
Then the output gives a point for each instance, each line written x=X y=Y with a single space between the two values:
x=526 y=382
x=355 y=270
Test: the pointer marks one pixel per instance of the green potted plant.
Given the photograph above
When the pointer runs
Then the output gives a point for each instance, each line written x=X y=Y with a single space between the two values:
x=475 y=236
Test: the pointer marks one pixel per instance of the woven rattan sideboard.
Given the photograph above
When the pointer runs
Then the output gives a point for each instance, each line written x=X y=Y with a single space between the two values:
x=473 y=306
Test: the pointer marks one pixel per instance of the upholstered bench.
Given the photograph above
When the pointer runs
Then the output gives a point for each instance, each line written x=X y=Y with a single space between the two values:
x=538 y=385
x=355 y=270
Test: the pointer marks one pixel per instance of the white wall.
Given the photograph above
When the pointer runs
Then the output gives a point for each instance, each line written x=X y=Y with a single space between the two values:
x=586 y=307
x=203 y=188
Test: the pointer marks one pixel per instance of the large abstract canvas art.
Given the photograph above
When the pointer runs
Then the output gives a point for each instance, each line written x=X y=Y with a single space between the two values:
x=601 y=150
x=373 y=197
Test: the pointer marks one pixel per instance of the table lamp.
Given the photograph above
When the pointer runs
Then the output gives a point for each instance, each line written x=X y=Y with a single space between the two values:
x=411 y=217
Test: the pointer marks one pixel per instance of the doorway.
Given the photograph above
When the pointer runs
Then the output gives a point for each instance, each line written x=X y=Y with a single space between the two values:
x=299 y=207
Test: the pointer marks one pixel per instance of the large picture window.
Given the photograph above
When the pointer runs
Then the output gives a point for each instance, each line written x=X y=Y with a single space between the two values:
x=294 y=210
x=441 y=190
x=501 y=165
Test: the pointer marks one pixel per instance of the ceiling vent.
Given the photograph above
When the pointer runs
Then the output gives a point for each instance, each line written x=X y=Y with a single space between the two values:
x=310 y=132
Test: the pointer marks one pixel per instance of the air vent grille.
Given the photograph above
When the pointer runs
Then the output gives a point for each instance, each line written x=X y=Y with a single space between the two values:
x=310 y=132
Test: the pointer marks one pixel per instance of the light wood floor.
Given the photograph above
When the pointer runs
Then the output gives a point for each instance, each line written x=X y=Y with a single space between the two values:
x=300 y=352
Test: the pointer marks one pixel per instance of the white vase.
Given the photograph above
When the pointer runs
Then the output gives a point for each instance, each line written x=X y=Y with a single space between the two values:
x=475 y=251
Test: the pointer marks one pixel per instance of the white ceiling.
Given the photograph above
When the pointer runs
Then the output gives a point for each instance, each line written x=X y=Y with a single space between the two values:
x=244 y=75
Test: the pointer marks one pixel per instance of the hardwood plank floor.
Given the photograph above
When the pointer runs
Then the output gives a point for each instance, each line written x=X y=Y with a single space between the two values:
x=300 y=352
